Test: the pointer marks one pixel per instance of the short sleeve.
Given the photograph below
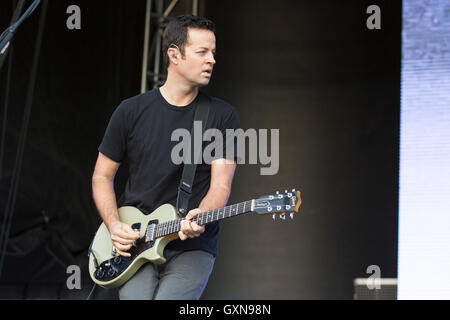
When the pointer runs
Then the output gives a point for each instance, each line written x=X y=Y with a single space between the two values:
x=114 y=140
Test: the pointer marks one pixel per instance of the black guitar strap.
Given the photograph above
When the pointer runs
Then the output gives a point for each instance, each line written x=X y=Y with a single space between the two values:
x=187 y=179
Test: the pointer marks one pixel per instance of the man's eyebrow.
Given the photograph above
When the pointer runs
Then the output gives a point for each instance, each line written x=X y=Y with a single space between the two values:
x=206 y=48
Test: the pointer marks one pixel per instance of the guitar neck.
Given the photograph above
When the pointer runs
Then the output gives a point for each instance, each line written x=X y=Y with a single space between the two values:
x=203 y=218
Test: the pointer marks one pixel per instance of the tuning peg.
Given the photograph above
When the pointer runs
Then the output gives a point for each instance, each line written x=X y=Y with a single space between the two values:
x=282 y=216
x=291 y=215
x=274 y=217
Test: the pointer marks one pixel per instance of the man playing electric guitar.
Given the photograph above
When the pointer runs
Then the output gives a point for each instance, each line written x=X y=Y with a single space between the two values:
x=139 y=132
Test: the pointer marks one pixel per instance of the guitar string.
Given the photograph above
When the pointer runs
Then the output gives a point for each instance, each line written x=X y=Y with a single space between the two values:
x=175 y=224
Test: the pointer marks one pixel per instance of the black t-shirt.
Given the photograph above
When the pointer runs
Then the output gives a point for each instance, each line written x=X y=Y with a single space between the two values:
x=139 y=132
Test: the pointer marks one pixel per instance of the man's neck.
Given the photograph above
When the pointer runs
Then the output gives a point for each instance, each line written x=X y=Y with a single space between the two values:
x=177 y=93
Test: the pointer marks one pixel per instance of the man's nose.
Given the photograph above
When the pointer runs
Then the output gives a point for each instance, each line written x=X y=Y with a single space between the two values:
x=211 y=59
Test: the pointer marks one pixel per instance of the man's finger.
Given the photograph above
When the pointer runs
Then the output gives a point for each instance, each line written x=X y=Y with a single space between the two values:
x=126 y=235
x=122 y=247
x=191 y=214
x=123 y=253
x=182 y=235
x=127 y=229
x=121 y=240
x=185 y=225
x=197 y=229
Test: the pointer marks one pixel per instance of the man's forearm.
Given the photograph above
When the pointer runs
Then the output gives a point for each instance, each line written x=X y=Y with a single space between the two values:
x=216 y=197
x=105 y=200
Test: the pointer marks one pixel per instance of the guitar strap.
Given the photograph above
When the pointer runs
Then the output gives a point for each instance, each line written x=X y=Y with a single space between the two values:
x=187 y=178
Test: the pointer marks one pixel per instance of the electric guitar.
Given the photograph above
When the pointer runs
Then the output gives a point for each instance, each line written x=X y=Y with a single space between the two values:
x=109 y=269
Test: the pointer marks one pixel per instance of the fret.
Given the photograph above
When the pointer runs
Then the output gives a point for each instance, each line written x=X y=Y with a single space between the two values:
x=173 y=226
x=158 y=231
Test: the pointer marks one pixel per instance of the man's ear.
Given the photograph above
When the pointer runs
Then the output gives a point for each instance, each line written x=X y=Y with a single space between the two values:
x=173 y=56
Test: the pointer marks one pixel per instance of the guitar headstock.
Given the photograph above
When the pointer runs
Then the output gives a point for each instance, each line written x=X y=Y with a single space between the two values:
x=279 y=204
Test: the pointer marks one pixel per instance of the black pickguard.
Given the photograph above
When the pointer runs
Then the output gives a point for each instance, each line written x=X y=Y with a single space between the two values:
x=112 y=268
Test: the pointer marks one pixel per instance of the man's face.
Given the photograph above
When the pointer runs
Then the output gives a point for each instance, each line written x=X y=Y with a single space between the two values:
x=197 y=64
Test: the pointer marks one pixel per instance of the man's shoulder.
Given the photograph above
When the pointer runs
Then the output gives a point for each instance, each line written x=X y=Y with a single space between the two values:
x=139 y=100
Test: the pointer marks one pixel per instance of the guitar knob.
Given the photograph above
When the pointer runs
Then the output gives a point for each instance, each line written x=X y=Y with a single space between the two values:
x=111 y=272
x=282 y=216
x=100 y=273
x=117 y=260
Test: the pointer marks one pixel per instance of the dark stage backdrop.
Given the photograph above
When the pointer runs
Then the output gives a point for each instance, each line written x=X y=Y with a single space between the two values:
x=311 y=69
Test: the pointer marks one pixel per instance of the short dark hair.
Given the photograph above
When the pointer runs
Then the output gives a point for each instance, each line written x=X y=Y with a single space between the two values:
x=176 y=32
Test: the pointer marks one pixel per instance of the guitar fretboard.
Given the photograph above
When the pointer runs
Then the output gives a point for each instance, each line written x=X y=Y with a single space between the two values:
x=174 y=226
